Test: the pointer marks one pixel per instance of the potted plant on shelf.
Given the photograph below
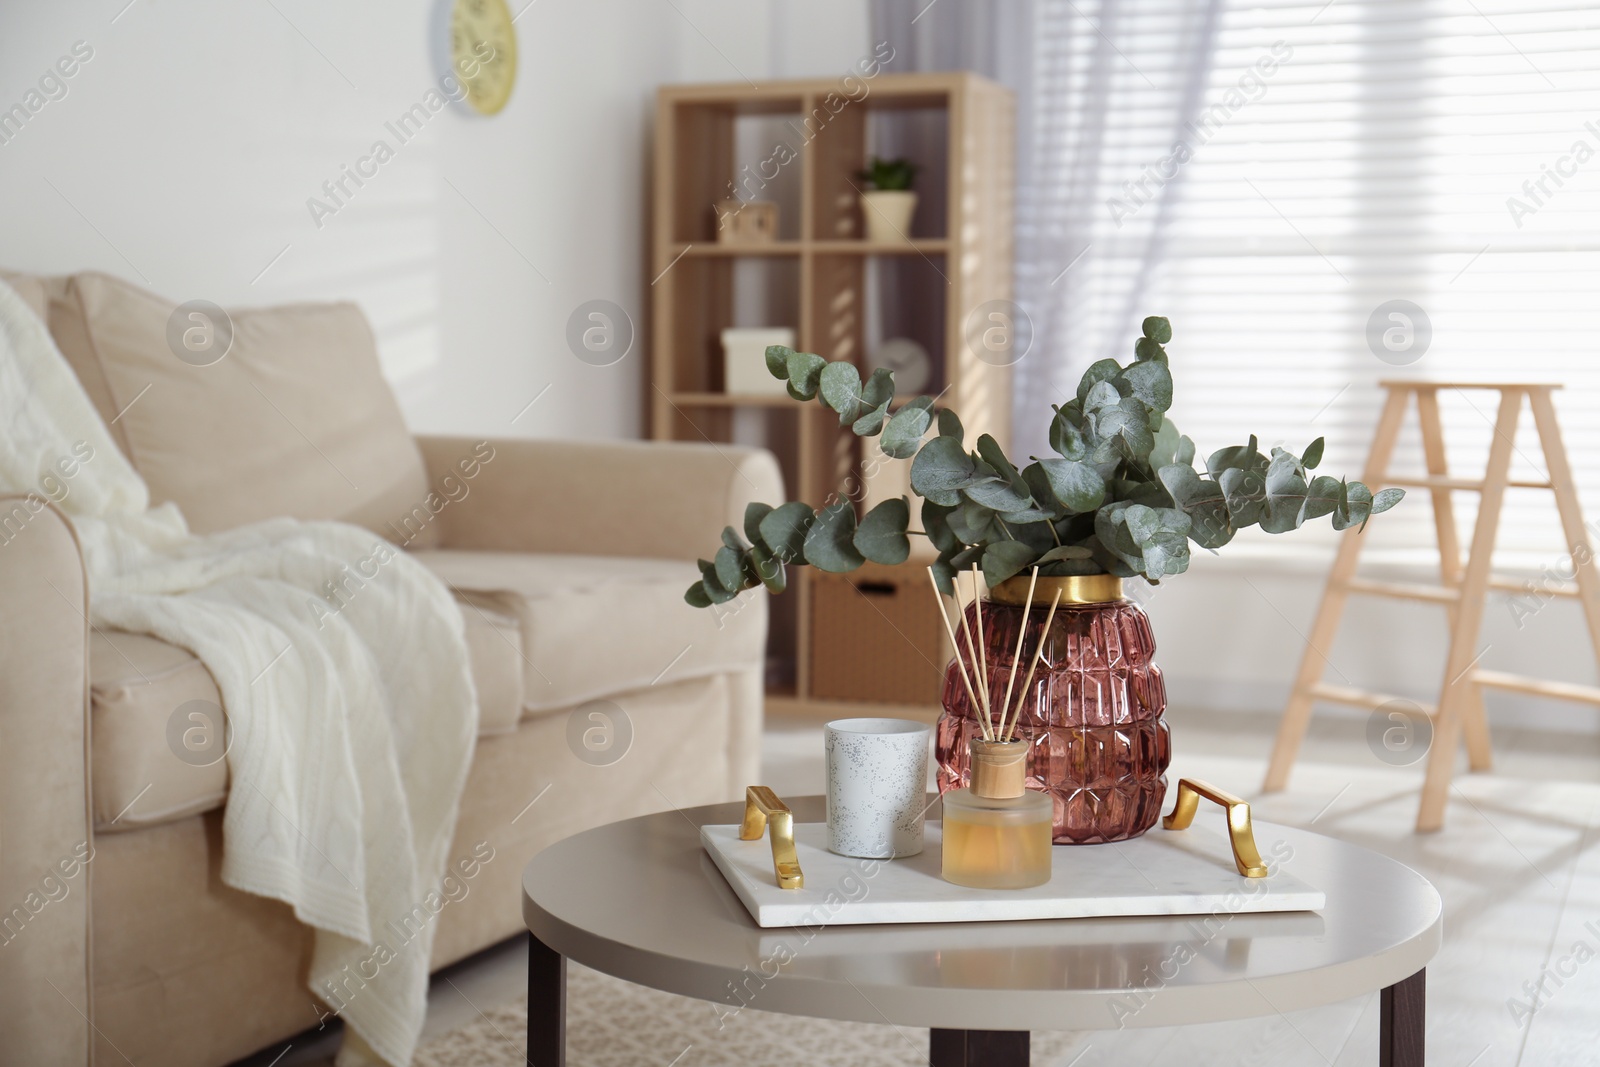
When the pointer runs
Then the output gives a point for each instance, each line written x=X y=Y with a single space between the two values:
x=1051 y=542
x=888 y=206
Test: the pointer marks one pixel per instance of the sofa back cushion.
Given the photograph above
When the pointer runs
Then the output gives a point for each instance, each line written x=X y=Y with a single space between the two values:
x=294 y=420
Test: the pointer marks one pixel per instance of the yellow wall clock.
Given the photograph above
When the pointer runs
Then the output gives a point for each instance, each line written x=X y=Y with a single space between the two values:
x=480 y=44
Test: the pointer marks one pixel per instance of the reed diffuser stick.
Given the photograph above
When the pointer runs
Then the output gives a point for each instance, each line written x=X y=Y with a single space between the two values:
x=972 y=658
x=944 y=617
x=1022 y=697
x=977 y=609
x=1022 y=630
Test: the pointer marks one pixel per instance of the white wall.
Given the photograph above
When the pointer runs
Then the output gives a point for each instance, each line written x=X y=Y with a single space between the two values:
x=184 y=152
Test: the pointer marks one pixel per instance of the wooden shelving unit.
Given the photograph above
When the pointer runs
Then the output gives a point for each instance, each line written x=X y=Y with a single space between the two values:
x=840 y=293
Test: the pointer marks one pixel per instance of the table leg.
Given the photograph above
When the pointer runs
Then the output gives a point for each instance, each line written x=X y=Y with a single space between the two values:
x=547 y=1005
x=1403 y=1020
x=978 y=1048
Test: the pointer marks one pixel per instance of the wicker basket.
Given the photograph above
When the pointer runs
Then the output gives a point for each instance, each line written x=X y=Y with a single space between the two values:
x=875 y=636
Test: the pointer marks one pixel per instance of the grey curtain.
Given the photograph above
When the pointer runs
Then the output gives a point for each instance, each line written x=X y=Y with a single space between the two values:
x=1108 y=93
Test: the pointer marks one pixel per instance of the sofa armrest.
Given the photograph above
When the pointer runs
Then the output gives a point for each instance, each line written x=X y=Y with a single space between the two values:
x=600 y=498
x=46 y=836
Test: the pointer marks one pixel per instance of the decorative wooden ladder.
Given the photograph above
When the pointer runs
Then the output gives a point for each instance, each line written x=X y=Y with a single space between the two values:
x=1462 y=589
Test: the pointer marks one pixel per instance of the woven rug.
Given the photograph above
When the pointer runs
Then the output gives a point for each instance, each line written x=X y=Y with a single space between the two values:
x=612 y=1023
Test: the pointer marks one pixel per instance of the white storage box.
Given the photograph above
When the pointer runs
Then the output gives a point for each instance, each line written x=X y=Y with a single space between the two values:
x=744 y=353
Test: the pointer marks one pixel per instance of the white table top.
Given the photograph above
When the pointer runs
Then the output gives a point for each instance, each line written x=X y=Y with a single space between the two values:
x=641 y=900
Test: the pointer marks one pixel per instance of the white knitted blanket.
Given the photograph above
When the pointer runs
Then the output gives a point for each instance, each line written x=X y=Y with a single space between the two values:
x=352 y=729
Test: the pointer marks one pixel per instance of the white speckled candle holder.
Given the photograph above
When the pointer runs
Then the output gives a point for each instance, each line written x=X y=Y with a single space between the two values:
x=877 y=781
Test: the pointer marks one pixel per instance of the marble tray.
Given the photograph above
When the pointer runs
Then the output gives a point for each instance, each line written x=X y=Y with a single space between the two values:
x=1187 y=872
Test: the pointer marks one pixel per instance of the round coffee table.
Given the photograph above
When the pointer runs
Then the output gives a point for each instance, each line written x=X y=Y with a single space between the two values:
x=641 y=900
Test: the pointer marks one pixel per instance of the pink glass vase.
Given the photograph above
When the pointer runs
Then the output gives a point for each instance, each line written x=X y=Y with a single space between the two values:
x=1097 y=745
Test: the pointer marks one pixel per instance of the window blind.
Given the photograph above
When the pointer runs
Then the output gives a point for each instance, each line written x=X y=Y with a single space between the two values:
x=1320 y=161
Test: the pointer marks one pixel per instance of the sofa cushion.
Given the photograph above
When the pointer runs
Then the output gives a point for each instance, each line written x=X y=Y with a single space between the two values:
x=593 y=626
x=30 y=289
x=155 y=717
x=295 y=419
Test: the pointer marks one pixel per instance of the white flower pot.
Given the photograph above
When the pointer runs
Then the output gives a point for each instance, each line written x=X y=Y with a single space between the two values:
x=887 y=213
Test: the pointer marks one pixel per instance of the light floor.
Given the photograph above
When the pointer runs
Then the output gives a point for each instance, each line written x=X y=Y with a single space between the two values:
x=1517 y=866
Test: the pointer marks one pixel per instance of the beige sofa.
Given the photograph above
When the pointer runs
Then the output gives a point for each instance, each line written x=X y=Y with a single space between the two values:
x=118 y=942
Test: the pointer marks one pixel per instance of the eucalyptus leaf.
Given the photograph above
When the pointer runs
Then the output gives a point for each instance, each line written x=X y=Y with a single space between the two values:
x=876 y=395
x=1038 y=483
x=1148 y=524
x=1157 y=328
x=1246 y=494
x=715 y=591
x=941 y=467
x=805 y=374
x=963 y=560
x=869 y=424
x=1185 y=486
x=936 y=525
x=830 y=542
x=783 y=531
x=1150 y=383
x=1165 y=555
x=778 y=361
x=1384 y=499
x=974 y=524
x=1239 y=457
x=995 y=494
x=1066 y=438
x=904 y=432
x=1111 y=528
x=1313 y=455
x=881 y=537
x=1184 y=453
x=990 y=451
x=1004 y=559
x=1165 y=449
x=1028 y=516
x=1357 y=507
x=697 y=597
x=1077 y=487
x=950 y=425
x=1103 y=395
x=754 y=512
x=1286 y=500
x=1066 y=552
x=879 y=388
x=1210 y=523
x=1322 y=496
x=1036 y=534
x=1146 y=350
x=1202 y=500
x=840 y=386
x=1102 y=371
x=730 y=538
x=1126 y=422
x=729 y=563
x=769 y=571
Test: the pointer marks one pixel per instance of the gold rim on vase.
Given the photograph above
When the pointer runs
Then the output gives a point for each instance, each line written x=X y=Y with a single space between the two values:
x=1075 y=589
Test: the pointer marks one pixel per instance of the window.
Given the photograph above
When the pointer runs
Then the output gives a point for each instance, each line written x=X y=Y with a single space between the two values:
x=1271 y=176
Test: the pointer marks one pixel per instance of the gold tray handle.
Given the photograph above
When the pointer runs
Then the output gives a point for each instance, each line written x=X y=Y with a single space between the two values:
x=1190 y=790
x=761 y=809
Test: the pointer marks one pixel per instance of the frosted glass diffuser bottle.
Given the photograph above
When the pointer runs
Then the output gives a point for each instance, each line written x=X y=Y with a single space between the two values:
x=997 y=832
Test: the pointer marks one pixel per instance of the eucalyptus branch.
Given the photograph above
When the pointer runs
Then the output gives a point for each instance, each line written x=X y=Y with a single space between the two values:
x=1122 y=496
